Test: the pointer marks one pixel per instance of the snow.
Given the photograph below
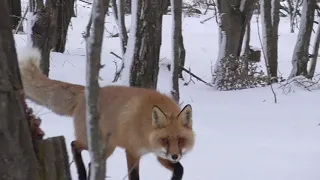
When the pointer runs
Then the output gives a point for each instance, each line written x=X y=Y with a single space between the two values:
x=239 y=134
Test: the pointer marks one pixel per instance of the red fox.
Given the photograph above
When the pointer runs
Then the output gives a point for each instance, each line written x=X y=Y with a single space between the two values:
x=140 y=120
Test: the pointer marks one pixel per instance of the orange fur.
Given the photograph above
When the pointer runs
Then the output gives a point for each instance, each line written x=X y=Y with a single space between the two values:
x=140 y=120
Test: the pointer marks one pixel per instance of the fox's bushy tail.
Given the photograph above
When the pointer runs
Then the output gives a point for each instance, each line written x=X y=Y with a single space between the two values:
x=58 y=96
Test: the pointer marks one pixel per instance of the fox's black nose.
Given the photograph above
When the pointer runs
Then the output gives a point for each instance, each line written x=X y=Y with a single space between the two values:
x=174 y=156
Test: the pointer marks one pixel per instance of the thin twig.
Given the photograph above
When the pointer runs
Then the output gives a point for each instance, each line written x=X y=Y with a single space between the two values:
x=267 y=64
x=21 y=20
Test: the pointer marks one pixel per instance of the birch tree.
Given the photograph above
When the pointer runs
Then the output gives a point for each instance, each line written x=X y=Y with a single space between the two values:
x=18 y=160
x=270 y=22
x=300 y=56
x=93 y=47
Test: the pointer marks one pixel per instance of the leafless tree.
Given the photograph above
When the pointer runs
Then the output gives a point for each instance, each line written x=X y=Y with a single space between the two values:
x=293 y=8
x=43 y=35
x=64 y=14
x=18 y=160
x=119 y=14
x=234 y=15
x=270 y=23
x=313 y=62
x=301 y=54
x=146 y=41
x=176 y=9
x=93 y=47
x=15 y=13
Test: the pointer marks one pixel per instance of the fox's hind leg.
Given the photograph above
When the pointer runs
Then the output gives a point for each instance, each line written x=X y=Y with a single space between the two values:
x=176 y=168
x=133 y=166
x=76 y=151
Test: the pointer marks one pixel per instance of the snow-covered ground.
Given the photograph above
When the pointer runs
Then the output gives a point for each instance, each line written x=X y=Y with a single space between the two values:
x=240 y=134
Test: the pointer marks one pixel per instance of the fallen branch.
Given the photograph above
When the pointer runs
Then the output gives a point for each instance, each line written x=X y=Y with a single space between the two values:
x=195 y=76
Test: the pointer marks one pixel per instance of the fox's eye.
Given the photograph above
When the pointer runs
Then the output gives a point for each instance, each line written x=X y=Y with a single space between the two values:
x=165 y=141
x=181 y=140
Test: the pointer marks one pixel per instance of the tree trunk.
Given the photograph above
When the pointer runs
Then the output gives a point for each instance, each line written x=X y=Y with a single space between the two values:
x=15 y=12
x=176 y=9
x=270 y=22
x=44 y=32
x=17 y=159
x=182 y=55
x=148 y=37
x=119 y=15
x=93 y=47
x=301 y=50
x=65 y=12
x=127 y=6
x=313 y=62
x=234 y=16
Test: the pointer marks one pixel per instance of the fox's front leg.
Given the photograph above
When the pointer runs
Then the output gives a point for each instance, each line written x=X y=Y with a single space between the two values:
x=176 y=168
x=133 y=166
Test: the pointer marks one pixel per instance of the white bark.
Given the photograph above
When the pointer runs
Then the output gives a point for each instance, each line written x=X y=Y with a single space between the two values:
x=297 y=56
x=128 y=56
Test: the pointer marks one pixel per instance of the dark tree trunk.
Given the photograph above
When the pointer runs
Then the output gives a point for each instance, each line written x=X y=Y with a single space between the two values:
x=176 y=9
x=127 y=6
x=15 y=12
x=44 y=32
x=182 y=56
x=145 y=65
x=270 y=23
x=65 y=12
x=316 y=45
x=234 y=17
x=301 y=50
x=17 y=159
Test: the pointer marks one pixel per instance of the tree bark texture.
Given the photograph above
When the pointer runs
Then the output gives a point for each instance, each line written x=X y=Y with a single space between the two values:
x=93 y=46
x=17 y=158
x=65 y=12
x=15 y=12
x=44 y=31
x=270 y=24
x=54 y=159
x=301 y=50
x=234 y=17
x=176 y=9
x=119 y=14
x=145 y=65
x=313 y=62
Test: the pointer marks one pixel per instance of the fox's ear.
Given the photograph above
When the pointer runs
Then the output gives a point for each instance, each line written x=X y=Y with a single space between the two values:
x=159 y=119
x=185 y=116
